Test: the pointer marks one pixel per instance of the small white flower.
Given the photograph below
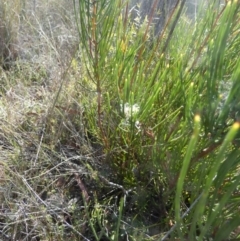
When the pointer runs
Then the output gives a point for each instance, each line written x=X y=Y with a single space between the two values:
x=138 y=125
x=129 y=110
x=135 y=108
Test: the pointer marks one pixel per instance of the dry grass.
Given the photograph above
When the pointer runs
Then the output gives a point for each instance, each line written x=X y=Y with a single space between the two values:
x=9 y=24
x=38 y=126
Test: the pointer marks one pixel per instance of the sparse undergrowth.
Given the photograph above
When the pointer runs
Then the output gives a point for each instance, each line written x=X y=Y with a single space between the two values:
x=108 y=132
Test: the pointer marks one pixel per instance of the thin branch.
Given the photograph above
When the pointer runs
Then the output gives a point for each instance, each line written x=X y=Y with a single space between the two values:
x=183 y=216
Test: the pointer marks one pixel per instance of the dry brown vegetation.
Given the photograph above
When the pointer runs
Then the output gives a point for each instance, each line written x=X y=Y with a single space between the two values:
x=38 y=139
x=9 y=23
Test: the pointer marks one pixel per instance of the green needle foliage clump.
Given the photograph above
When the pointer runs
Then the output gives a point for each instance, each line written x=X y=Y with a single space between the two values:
x=165 y=109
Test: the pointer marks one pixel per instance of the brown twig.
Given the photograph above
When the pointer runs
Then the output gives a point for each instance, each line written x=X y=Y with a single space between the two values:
x=82 y=187
x=206 y=151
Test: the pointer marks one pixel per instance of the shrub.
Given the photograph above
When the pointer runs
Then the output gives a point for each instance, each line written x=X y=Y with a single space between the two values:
x=158 y=112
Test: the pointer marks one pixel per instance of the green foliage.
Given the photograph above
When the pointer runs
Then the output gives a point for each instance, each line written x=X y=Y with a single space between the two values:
x=144 y=93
